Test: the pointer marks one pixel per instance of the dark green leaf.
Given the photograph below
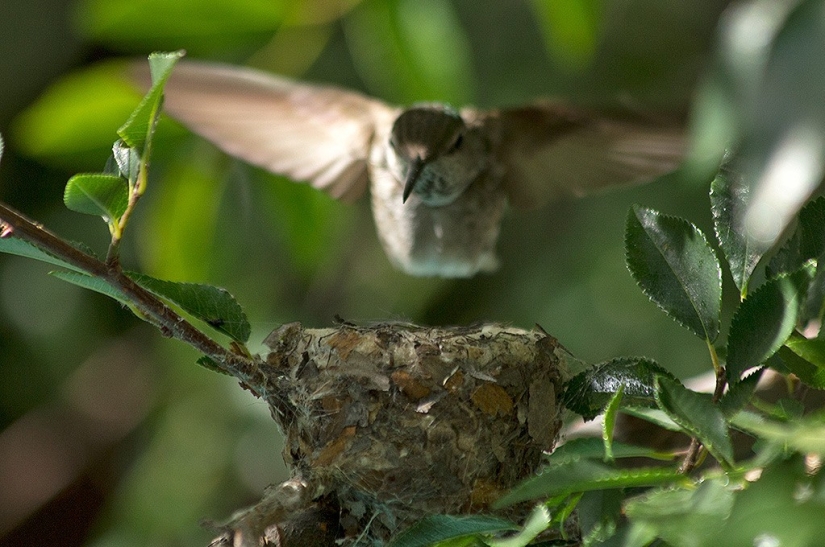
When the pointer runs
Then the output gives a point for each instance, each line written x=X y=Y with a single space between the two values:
x=785 y=120
x=590 y=391
x=739 y=394
x=676 y=268
x=697 y=414
x=92 y=283
x=583 y=476
x=808 y=372
x=763 y=322
x=141 y=124
x=19 y=247
x=728 y=198
x=209 y=363
x=805 y=243
x=97 y=194
x=213 y=305
x=684 y=516
x=435 y=528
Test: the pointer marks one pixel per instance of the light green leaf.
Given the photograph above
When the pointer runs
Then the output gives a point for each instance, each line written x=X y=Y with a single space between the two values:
x=537 y=523
x=583 y=476
x=609 y=422
x=97 y=194
x=684 y=517
x=436 y=528
x=72 y=123
x=588 y=392
x=676 y=268
x=728 y=198
x=570 y=29
x=763 y=322
x=697 y=414
x=804 y=435
x=92 y=283
x=213 y=305
x=205 y=28
x=812 y=350
x=654 y=416
x=593 y=448
x=141 y=124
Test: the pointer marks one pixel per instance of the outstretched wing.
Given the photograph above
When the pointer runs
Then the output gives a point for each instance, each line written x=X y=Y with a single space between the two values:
x=549 y=149
x=317 y=134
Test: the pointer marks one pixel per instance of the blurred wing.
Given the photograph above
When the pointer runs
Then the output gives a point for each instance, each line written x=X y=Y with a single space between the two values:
x=310 y=133
x=549 y=149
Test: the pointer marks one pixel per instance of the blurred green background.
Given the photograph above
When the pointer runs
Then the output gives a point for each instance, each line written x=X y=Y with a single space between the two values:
x=111 y=435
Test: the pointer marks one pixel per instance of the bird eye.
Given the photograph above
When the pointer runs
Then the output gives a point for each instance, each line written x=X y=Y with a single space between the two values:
x=457 y=144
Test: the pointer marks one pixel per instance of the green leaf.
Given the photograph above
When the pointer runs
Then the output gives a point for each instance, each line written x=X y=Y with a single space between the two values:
x=141 y=124
x=609 y=422
x=19 y=247
x=809 y=373
x=654 y=416
x=782 y=508
x=593 y=448
x=204 y=28
x=72 y=123
x=435 y=528
x=763 y=322
x=588 y=392
x=739 y=394
x=97 y=194
x=728 y=198
x=213 y=305
x=681 y=516
x=210 y=364
x=805 y=243
x=812 y=350
x=571 y=29
x=674 y=265
x=92 y=283
x=537 y=523
x=803 y=435
x=697 y=414
x=584 y=476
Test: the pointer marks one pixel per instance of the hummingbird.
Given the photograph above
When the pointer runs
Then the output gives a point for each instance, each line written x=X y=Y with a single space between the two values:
x=439 y=178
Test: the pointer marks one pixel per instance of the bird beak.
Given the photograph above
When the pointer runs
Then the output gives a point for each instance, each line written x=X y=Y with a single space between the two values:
x=416 y=166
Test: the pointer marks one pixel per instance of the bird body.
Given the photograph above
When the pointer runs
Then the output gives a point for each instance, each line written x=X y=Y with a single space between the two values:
x=439 y=178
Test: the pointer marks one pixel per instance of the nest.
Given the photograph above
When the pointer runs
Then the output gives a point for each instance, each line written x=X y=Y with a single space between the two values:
x=394 y=422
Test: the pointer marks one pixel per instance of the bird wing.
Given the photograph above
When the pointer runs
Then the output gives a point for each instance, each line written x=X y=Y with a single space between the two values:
x=549 y=149
x=317 y=134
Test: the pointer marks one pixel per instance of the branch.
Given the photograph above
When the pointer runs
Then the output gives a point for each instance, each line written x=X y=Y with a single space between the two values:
x=168 y=321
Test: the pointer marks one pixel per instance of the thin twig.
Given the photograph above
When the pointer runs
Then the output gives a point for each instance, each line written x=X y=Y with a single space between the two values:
x=144 y=301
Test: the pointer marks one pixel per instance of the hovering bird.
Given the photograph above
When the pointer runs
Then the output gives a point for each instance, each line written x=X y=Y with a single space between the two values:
x=439 y=177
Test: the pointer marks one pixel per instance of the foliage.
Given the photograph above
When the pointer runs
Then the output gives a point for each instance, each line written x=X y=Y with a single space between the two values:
x=772 y=495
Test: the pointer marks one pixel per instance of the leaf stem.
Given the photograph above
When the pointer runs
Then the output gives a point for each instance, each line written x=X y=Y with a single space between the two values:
x=168 y=321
